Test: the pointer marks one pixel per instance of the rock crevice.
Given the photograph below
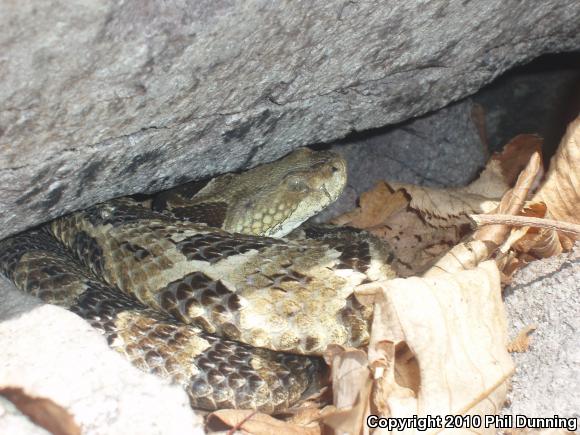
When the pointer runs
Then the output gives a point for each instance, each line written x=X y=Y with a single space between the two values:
x=104 y=98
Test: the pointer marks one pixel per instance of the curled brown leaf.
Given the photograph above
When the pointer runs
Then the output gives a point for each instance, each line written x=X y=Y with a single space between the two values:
x=42 y=411
x=255 y=423
x=422 y=224
x=351 y=385
x=512 y=202
x=522 y=342
x=376 y=206
x=561 y=190
x=438 y=344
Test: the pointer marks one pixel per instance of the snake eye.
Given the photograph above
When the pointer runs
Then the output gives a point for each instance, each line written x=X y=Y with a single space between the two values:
x=296 y=184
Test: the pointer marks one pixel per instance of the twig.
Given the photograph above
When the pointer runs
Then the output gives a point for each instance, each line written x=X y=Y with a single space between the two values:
x=239 y=425
x=525 y=221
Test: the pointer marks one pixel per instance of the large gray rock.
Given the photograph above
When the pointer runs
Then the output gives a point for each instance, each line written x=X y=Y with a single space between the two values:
x=547 y=378
x=542 y=98
x=52 y=353
x=101 y=98
x=443 y=148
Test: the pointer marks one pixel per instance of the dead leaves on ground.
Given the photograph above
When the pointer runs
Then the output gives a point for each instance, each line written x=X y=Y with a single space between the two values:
x=42 y=411
x=438 y=341
x=561 y=190
x=438 y=347
x=438 y=344
x=537 y=220
x=415 y=242
x=257 y=423
x=423 y=223
x=521 y=343
x=560 y=195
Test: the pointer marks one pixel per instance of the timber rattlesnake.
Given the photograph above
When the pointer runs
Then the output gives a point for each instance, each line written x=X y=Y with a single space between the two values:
x=162 y=289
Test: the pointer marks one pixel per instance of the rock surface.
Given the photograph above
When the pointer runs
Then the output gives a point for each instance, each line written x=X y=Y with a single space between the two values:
x=542 y=97
x=52 y=353
x=547 y=378
x=100 y=98
x=441 y=149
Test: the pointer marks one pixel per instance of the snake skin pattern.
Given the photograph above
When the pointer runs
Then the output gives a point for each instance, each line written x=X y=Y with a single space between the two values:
x=162 y=289
x=216 y=373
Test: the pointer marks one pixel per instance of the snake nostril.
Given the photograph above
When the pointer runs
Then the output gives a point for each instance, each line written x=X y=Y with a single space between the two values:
x=334 y=169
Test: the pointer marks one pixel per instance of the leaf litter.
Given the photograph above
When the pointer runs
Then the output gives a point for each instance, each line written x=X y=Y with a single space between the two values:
x=439 y=343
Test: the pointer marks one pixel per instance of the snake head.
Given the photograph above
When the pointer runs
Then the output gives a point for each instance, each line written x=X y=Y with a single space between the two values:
x=273 y=199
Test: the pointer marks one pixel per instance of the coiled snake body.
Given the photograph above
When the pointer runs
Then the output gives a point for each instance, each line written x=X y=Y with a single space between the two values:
x=163 y=289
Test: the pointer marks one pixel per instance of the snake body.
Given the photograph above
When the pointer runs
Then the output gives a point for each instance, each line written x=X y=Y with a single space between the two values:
x=163 y=289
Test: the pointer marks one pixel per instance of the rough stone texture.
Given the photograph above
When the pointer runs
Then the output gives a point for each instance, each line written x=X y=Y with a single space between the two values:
x=101 y=98
x=443 y=148
x=547 y=379
x=50 y=352
x=542 y=97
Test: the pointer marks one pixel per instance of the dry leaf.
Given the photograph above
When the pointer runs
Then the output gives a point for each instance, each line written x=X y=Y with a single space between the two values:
x=417 y=244
x=508 y=265
x=449 y=333
x=306 y=415
x=558 y=198
x=538 y=243
x=385 y=214
x=478 y=118
x=561 y=190
x=446 y=207
x=542 y=244
x=516 y=154
x=521 y=343
x=463 y=256
x=351 y=385
x=524 y=221
x=512 y=202
x=376 y=206
x=42 y=411
x=309 y=409
x=255 y=423
x=561 y=194
x=424 y=223
x=483 y=194
x=466 y=256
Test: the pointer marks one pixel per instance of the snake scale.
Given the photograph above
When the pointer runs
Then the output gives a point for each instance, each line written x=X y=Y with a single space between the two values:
x=205 y=286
